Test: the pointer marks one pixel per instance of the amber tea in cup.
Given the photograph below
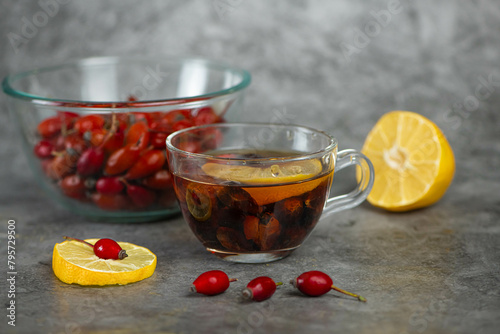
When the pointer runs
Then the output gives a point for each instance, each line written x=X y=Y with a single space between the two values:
x=253 y=192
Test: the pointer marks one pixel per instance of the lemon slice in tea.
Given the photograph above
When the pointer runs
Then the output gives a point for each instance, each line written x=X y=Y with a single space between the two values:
x=278 y=173
x=75 y=262
x=198 y=202
x=272 y=183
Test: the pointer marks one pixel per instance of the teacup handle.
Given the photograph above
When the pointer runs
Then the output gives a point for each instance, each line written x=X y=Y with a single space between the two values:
x=345 y=159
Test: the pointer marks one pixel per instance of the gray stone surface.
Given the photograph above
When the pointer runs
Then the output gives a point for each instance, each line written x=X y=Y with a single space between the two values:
x=435 y=270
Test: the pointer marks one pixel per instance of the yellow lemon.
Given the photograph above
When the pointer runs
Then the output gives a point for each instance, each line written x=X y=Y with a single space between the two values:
x=75 y=262
x=413 y=161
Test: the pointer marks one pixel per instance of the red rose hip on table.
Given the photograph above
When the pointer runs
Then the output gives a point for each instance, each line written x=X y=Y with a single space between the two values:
x=316 y=283
x=212 y=282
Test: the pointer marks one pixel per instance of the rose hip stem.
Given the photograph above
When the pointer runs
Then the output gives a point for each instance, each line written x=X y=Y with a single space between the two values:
x=360 y=298
x=80 y=240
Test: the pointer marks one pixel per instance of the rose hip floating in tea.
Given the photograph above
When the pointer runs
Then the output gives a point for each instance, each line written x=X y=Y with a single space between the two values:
x=269 y=231
x=290 y=210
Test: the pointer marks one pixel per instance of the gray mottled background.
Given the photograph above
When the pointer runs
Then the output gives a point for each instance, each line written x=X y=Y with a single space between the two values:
x=310 y=65
x=306 y=57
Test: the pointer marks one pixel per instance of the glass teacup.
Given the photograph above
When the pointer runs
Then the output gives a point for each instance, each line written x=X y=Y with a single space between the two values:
x=253 y=192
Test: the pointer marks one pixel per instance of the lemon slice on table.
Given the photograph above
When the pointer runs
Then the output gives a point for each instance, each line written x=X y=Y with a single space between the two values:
x=288 y=179
x=75 y=262
x=413 y=161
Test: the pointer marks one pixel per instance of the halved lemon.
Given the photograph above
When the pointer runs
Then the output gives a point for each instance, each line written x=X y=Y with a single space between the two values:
x=287 y=179
x=75 y=262
x=414 y=163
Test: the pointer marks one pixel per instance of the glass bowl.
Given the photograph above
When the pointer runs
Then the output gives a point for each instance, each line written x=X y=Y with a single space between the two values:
x=94 y=129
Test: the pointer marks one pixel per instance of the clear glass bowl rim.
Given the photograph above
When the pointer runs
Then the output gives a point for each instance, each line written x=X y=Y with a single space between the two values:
x=333 y=143
x=92 y=61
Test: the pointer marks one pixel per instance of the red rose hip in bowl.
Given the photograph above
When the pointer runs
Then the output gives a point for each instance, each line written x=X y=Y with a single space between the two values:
x=95 y=134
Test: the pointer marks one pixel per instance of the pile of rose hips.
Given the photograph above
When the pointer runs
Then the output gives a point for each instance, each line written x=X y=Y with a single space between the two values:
x=311 y=283
x=118 y=160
